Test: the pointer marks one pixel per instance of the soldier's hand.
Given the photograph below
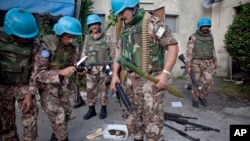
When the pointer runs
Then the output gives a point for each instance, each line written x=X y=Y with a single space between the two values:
x=215 y=66
x=163 y=80
x=84 y=72
x=27 y=103
x=188 y=70
x=115 y=80
x=67 y=71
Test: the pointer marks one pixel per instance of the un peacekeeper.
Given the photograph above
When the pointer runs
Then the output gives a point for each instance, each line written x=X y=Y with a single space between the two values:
x=201 y=60
x=97 y=47
x=17 y=46
x=144 y=33
x=54 y=64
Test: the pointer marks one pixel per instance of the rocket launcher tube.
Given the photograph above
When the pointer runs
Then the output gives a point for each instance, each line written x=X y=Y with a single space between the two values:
x=173 y=91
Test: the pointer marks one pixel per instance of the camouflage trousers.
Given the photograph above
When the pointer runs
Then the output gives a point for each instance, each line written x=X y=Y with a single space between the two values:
x=148 y=103
x=203 y=71
x=97 y=81
x=56 y=104
x=8 y=96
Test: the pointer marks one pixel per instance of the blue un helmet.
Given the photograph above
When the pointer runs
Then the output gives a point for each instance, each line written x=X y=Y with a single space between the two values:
x=119 y=5
x=93 y=18
x=20 y=23
x=204 y=21
x=68 y=25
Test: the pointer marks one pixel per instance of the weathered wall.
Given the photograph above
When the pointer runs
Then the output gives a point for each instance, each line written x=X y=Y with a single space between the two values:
x=188 y=12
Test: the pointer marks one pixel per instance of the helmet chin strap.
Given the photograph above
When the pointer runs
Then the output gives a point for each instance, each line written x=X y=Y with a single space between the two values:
x=135 y=10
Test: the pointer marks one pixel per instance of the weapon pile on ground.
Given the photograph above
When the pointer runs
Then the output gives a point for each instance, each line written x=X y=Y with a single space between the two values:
x=189 y=126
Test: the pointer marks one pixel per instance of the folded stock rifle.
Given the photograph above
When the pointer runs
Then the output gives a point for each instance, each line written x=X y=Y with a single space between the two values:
x=194 y=82
x=120 y=94
x=183 y=120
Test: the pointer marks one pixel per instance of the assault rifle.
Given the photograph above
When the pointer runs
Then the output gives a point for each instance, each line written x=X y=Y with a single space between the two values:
x=173 y=115
x=194 y=82
x=81 y=65
x=195 y=125
x=182 y=133
x=121 y=94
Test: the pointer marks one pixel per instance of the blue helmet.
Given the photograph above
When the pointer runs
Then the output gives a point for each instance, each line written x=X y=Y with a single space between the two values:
x=93 y=18
x=119 y=5
x=68 y=25
x=20 y=23
x=204 y=21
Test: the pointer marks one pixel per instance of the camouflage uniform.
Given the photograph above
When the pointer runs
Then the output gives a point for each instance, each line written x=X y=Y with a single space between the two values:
x=14 y=85
x=147 y=100
x=52 y=87
x=201 y=58
x=99 y=52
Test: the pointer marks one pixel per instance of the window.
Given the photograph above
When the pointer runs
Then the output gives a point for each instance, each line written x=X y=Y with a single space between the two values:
x=171 y=22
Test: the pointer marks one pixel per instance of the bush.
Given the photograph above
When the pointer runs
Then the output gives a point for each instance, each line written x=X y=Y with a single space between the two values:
x=237 y=41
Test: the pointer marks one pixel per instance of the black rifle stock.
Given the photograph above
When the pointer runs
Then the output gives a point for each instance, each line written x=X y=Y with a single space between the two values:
x=194 y=82
x=182 y=133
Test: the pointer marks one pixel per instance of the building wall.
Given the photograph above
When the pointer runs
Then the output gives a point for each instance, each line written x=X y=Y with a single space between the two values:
x=188 y=12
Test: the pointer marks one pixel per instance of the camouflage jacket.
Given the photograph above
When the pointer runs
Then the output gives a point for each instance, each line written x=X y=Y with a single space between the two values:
x=99 y=50
x=14 y=64
x=160 y=37
x=46 y=73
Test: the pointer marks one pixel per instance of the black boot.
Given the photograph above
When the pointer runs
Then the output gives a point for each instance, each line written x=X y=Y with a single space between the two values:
x=203 y=101
x=137 y=140
x=195 y=104
x=66 y=139
x=53 y=137
x=79 y=103
x=90 y=113
x=103 y=114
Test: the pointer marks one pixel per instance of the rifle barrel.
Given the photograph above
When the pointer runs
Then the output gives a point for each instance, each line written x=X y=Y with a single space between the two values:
x=127 y=103
x=201 y=129
x=182 y=133
x=166 y=114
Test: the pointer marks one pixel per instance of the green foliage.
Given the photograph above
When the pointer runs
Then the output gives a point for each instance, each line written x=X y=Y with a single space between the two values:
x=240 y=91
x=86 y=6
x=112 y=20
x=237 y=38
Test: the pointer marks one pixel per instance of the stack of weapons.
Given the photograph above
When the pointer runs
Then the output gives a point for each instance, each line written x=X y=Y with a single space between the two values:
x=189 y=126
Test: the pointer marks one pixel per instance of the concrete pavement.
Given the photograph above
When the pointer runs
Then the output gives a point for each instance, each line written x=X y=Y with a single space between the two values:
x=222 y=111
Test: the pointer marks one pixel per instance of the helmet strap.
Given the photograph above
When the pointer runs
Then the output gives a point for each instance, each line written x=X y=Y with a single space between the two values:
x=135 y=10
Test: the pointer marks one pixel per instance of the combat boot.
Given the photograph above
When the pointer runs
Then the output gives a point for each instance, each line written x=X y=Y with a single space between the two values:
x=203 y=101
x=66 y=139
x=53 y=137
x=79 y=103
x=90 y=113
x=103 y=113
x=195 y=104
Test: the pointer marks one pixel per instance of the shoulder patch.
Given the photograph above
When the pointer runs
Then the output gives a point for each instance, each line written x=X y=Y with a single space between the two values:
x=45 y=53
